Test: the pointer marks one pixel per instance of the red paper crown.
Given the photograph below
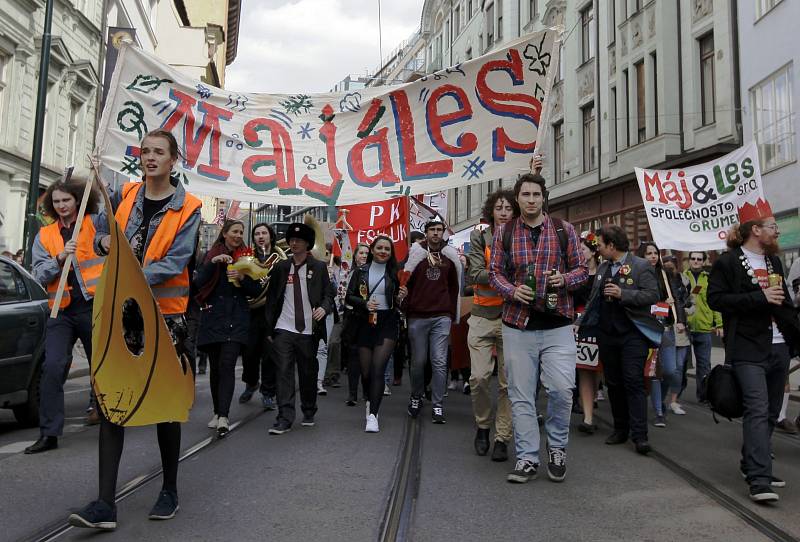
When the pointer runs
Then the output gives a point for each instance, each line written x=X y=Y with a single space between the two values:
x=242 y=252
x=749 y=212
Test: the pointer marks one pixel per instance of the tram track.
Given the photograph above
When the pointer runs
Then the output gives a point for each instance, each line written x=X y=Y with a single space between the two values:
x=399 y=513
x=758 y=522
x=57 y=529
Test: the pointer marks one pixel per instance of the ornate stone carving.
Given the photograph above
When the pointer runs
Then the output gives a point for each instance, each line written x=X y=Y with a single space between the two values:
x=612 y=61
x=623 y=42
x=636 y=33
x=586 y=81
x=651 y=23
x=701 y=9
x=557 y=100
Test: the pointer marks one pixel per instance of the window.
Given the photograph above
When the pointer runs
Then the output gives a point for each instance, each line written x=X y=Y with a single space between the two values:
x=448 y=38
x=587 y=34
x=489 y=26
x=533 y=10
x=637 y=5
x=613 y=114
x=612 y=21
x=499 y=20
x=5 y=62
x=773 y=120
x=457 y=21
x=558 y=152
x=12 y=286
x=469 y=10
x=560 y=72
x=475 y=200
x=641 y=110
x=707 y=98
x=624 y=10
x=654 y=64
x=72 y=141
x=589 y=138
x=765 y=6
x=627 y=109
x=468 y=54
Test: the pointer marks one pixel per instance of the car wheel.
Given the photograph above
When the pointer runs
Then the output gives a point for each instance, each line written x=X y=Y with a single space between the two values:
x=28 y=414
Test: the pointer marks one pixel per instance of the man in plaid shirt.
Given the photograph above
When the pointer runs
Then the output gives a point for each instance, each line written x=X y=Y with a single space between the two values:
x=537 y=339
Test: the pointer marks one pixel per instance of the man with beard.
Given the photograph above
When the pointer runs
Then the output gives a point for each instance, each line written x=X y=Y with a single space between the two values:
x=761 y=333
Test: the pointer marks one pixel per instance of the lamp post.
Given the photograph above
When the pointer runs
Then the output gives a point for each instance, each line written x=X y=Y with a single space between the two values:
x=36 y=156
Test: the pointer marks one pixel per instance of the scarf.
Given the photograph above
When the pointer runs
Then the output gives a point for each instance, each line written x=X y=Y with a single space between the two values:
x=205 y=291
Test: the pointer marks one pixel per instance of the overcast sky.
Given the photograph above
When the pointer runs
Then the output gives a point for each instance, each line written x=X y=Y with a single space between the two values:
x=288 y=46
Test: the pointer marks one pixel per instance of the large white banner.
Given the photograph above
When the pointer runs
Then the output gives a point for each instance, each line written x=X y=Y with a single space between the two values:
x=693 y=208
x=472 y=122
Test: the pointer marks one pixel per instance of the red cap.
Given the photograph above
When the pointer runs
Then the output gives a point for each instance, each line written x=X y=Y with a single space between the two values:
x=749 y=212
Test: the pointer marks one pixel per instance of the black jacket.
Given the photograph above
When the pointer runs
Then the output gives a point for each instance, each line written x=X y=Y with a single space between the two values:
x=361 y=275
x=226 y=315
x=676 y=288
x=746 y=314
x=320 y=293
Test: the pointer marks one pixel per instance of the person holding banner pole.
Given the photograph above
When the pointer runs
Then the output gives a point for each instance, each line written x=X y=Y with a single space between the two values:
x=161 y=222
x=53 y=244
x=670 y=312
x=762 y=332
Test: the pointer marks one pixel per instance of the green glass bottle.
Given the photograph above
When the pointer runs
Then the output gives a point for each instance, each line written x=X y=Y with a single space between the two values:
x=530 y=281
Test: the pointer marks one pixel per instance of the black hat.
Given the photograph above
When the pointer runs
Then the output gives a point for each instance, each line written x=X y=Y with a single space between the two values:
x=298 y=230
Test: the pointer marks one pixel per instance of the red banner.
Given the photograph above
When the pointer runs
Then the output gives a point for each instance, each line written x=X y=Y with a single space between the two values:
x=389 y=217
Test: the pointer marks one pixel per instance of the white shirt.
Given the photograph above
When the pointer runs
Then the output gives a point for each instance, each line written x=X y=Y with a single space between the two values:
x=286 y=319
x=758 y=262
x=376 y=273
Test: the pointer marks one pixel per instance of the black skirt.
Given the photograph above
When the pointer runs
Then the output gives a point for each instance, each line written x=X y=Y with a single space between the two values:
x=388 y=327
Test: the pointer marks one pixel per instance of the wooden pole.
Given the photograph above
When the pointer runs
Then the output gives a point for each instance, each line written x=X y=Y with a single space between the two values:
x=62 y=282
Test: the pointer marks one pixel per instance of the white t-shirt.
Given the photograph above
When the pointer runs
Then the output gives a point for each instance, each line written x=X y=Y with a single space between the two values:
x=286 y=319
x=758 y=262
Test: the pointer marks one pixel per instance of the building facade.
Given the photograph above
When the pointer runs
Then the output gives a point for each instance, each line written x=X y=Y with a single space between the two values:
x=641 y=84
x=72 y=98
x=770 y=74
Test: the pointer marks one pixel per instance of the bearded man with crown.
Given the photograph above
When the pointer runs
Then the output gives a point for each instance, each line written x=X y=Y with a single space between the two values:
x=762 y=334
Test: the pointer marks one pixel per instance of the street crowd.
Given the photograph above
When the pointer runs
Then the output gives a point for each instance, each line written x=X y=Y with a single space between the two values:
x=540 y=291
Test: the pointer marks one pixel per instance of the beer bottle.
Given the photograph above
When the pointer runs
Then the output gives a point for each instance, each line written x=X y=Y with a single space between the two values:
x=530 y=281
x=552 y=294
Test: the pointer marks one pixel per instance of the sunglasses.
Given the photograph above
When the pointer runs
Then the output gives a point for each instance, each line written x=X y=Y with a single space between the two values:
x=696 y=259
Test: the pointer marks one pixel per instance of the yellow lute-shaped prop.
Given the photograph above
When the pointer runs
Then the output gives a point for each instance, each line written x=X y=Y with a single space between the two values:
x=133 y=390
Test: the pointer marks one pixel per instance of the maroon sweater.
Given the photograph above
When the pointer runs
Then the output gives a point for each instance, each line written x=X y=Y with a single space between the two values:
x=433 y=291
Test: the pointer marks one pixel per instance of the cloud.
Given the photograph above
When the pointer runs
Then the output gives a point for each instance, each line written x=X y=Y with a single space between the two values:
x=310 y=45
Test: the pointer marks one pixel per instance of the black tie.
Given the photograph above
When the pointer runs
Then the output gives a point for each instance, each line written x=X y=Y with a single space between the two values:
x=299 y=317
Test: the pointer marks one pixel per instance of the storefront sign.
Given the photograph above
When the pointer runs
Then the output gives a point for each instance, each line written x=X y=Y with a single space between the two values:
x=693 y=208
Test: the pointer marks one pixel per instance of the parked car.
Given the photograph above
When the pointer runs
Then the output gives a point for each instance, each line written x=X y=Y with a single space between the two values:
x=23 y=321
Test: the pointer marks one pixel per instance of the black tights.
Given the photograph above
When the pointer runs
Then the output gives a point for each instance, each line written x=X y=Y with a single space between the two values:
x=373 y=366
x=112 y=439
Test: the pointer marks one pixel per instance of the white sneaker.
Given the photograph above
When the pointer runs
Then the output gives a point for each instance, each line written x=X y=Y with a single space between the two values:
x=386 y=390
x=372 y=424
x=223 y=427
x=677 y=409
x=599 y=396
x=453 y=385
x=214 y=422
x=321 y=389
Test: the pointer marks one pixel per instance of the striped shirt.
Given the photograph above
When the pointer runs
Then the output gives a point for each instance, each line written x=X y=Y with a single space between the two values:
x=545 y=255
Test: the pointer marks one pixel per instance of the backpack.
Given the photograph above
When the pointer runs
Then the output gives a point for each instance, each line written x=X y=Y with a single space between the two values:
x=724 y=393
x=509 y=230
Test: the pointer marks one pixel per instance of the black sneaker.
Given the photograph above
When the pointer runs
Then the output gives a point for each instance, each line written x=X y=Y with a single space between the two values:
x=247 y=394
x=557 y=464
x=500 y=451
x=481 y=443
x=166 y=506
x=762 y=493
x=774 y=480
x=280 y=428
x=438 y=415
x=414 y=404
x=308 y=421
x=97 y=515
x=523 y=471
x=660 y=421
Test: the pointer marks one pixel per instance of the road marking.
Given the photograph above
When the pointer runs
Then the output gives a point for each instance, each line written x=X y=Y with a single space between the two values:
x=15 y=447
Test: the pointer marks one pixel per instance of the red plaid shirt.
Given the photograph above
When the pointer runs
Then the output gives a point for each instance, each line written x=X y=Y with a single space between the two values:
x=545 y=256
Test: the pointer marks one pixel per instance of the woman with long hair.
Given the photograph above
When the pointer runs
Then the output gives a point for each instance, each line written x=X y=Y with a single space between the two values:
x=589 y=367
x=349 y=329
x=257 y=356
x=375 y=294
x=224 y=317
x=671 y=313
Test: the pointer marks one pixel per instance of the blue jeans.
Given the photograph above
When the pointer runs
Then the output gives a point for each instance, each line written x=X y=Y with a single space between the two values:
x=428 y=338
x=388 y=374
x=701 y=342
x=670 y=379
x=527 y=353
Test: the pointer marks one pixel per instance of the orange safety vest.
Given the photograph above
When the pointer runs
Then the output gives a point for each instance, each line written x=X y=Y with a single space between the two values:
x=172 y=295
x=484 y=295
x=89 y=264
